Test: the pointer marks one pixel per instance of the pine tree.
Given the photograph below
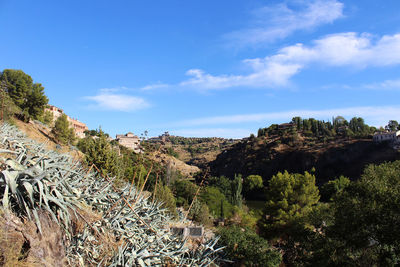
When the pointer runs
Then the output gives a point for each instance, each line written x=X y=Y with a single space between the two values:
x=48 y=118
x=236 y=184
x=28 y=96
x=61 y=130
x=289 y=198
x=36 y=101
x=98 y=151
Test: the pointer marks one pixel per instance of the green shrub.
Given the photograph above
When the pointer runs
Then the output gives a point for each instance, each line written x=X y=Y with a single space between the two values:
x=164 y=195
x=216 y=202
x=245 y=247
x=200 y=213
x=61 y=130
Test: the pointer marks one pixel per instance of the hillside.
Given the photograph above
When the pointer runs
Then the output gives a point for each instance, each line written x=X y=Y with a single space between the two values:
x=195 y=151
x=58 y=217
x=175 y=164
x=42 y=133
x=266 y=156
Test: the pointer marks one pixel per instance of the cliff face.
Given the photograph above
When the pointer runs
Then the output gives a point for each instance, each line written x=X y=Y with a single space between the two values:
x=175 y=164
x=330 y=160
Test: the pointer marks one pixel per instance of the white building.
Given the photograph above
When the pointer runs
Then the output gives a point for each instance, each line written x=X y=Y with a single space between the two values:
x=129 y=140
x=387 y=136
x=79 y=127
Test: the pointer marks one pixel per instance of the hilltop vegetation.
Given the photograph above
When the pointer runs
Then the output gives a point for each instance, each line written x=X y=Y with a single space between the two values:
x=329 y=149
x=27 y=98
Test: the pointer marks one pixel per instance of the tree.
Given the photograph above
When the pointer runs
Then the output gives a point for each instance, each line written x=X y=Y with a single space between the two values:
x=298 y=122
x=98 y=151
x=216 y=202
x=364 y=227
x=392 y=125
x=334 y=187
x=223 y=184
x=36 y=101
x=339 y=121
x=232 y=189
x=18 y=85
x=184 y=192
x=357 y=125
x=289 y=199
x=367 y=218
x=61 y=130
x=28 y=96
x=165 y=196
x=200 y=213
x=236 y=185
x=252 y=184
x=246 y=248
x=8 y=107
x=47 y=118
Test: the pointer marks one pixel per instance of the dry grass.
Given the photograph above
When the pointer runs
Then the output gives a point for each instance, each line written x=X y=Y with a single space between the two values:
x=105 y=241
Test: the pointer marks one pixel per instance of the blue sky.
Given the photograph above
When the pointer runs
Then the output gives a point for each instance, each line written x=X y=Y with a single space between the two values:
x=207 y=68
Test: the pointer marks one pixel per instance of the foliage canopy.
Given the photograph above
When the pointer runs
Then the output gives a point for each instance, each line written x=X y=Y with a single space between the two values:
x=28 y=96
x=289 y=198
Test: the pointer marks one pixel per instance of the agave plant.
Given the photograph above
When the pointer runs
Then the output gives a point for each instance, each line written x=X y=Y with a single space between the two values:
x=103 y=225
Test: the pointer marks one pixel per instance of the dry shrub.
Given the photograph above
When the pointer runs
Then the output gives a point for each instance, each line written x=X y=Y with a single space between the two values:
x=105 y=241
x=82 y=217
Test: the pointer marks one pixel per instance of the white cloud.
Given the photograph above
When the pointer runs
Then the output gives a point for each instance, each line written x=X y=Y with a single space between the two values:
x=271 y=75
x=154 y=86
x=385 y=85
x=279 y=21
x=113 y=90
x=336 y=50
x=117 y=102
x=213 y=132
x=344 y=49
x=375 y=115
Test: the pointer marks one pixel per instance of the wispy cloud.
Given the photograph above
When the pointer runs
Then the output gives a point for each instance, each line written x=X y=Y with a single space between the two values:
x=336 y=50
x=279 y=21
x=385 y=85
x=117 y=102
x=213 y=132
x=272 y=74
x=154 y=86
x=376 y=115
x=114 y=89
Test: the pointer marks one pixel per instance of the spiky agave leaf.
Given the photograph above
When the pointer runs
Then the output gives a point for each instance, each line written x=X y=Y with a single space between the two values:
x=39 y=179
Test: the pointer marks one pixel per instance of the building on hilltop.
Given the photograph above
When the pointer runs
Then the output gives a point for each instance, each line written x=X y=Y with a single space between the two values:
x=57 y=112
x=161 y=138
x=387 y=136
x=130 y=141
x=79 y=127
x=165 y=136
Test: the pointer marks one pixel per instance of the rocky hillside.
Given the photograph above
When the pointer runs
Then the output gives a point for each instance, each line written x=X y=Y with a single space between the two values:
x=195 y=151
x=266 y=156
x=175 y=164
